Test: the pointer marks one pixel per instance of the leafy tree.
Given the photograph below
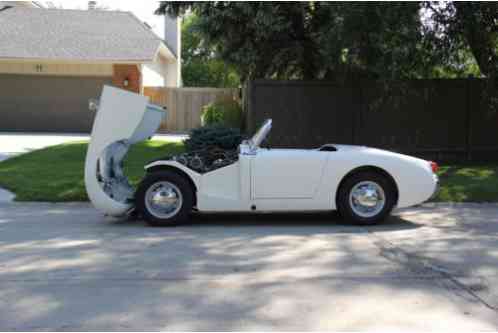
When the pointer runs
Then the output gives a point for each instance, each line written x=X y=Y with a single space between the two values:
x=339 y=40
x=324 y=40
x=201 y=66
x=469 y=28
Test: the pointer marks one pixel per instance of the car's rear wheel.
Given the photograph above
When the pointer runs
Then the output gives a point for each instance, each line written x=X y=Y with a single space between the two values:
x=164 y=198
x=366 y=198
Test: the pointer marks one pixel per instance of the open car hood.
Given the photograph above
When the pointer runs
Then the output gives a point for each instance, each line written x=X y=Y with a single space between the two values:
x=123 y=119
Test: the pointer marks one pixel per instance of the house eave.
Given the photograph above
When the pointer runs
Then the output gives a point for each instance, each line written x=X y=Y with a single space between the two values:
x=77 y=61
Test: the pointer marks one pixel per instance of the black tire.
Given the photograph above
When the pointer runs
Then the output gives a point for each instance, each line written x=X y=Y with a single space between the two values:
x=183 y=186
x=344 y=206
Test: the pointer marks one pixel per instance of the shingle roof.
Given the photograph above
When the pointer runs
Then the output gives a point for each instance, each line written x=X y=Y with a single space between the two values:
x=83 y=35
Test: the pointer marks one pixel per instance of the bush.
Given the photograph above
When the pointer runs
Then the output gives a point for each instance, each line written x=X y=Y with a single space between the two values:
x=226 y=113
x=211 y=115
x=213 y=136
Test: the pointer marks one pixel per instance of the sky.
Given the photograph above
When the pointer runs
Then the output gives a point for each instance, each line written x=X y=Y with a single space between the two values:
x=144 y=10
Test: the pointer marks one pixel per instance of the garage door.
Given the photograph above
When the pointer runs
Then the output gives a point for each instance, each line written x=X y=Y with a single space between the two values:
x=47 y=103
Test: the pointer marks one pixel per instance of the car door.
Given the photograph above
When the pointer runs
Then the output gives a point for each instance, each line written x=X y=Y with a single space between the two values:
x=286 y=173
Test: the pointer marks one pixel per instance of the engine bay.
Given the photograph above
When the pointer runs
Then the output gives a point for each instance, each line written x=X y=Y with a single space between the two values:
x=206 y=160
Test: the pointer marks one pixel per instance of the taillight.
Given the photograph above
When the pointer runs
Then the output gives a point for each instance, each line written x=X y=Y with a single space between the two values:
x=434 y=166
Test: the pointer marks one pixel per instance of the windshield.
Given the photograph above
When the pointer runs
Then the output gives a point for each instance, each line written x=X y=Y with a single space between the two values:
x=261 y=133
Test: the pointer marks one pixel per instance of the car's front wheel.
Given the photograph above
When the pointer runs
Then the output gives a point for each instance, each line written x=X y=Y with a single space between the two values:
x=164 y=198
x=366 y=198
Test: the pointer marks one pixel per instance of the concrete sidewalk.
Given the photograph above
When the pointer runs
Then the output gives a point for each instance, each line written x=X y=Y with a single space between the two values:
x=14 y=143
x=66 y=267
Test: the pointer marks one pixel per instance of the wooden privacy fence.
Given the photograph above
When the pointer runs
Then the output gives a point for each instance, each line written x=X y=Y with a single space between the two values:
x=184 y=105
x=435 y=119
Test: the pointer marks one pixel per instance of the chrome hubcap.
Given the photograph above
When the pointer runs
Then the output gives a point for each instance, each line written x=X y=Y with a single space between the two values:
x=163 y=199
x=367 y=199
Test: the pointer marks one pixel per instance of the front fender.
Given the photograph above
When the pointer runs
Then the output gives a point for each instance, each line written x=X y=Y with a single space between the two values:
x=194 y=176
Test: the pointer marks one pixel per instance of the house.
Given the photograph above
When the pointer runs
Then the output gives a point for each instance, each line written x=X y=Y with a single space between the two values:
x=53 y=60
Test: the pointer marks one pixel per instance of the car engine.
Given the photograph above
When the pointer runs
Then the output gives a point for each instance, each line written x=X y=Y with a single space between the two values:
x=206 y=160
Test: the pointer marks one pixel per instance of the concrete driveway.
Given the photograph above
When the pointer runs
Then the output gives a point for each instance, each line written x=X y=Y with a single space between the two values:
x=66 y=267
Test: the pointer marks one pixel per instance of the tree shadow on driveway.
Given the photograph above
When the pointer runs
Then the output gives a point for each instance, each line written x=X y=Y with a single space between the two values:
x=66 y=267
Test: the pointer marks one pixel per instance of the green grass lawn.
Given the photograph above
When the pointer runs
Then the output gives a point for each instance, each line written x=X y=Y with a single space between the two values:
x=468 y=183
x=56 y=174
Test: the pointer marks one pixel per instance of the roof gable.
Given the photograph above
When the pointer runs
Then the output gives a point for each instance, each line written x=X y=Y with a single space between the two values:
x=80 y=35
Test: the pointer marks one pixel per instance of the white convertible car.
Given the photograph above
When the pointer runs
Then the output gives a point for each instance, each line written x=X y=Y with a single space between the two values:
x=363 y=184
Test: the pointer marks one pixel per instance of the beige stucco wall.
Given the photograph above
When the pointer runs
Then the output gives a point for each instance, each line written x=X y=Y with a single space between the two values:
x=46 y=68
x=173 y=75
x=161 y=73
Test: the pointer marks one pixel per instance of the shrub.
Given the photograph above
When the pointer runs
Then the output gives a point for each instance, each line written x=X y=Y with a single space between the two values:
x=211 y=115
x=213 y=136
x=226 y=113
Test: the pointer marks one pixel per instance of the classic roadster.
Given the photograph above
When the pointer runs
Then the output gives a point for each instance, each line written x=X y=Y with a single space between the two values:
x=364 y=184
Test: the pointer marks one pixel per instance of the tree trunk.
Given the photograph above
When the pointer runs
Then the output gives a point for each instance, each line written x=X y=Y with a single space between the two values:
x=480 y=34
